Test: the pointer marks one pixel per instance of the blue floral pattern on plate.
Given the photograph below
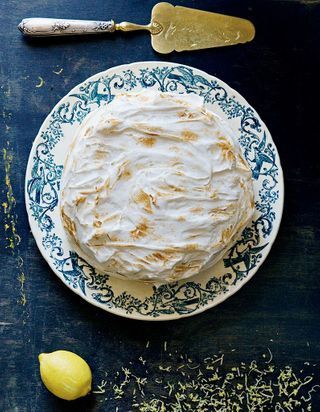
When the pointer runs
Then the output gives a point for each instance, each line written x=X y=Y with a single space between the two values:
x=133 y=299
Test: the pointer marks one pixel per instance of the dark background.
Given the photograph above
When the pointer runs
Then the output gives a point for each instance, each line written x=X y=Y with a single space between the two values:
x=279 y=309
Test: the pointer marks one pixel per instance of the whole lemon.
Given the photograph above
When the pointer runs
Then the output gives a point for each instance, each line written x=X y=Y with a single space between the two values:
x=65 y=374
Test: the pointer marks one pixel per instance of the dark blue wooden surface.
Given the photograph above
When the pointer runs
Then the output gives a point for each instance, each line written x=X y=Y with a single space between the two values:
x=278 y=309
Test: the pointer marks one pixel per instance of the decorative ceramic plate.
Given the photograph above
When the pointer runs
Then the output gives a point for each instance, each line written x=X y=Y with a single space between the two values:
x=136 y=299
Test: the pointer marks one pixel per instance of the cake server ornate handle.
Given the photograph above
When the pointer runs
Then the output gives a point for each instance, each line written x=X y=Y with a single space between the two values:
x=42 y=27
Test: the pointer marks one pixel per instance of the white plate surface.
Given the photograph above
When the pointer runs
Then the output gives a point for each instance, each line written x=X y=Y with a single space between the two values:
x=136 y=299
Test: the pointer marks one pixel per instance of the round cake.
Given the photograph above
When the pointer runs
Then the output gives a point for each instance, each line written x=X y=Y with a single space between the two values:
x=155 y=188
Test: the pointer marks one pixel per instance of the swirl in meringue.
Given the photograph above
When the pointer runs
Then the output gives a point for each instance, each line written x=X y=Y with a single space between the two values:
x=155 y=188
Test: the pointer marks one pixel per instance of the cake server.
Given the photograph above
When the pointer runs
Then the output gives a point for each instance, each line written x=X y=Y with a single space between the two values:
x=171 y=27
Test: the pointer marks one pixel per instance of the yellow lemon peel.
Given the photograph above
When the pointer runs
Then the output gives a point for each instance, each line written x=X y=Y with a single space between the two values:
x=65 y=374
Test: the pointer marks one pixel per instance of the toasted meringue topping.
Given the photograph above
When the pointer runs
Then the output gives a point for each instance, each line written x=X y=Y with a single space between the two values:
x=155 y=188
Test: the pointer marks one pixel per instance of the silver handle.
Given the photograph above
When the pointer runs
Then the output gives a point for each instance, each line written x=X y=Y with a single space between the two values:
x=40 y=27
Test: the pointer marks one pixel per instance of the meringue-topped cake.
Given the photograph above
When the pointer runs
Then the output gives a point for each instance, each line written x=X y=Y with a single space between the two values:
x=155 y=188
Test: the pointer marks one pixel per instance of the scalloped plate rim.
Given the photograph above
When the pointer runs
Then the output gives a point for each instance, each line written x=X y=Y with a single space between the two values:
x=221 y=298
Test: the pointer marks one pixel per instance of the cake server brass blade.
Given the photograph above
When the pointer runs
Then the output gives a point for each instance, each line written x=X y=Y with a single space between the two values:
x=171 y=27
x=190 y=29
